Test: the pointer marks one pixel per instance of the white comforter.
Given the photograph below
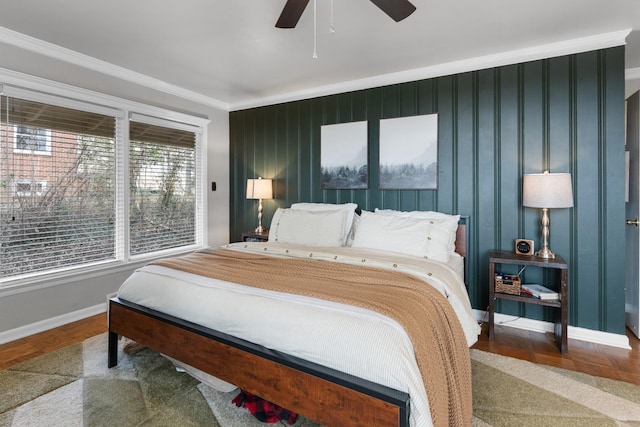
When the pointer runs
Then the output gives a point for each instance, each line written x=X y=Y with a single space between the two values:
x=349 y=339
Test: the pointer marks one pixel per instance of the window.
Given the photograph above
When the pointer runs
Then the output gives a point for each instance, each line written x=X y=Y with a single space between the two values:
x=67 y=209
x=31 y=140
x=162 y=164
x=60 y=213
x=22 y=188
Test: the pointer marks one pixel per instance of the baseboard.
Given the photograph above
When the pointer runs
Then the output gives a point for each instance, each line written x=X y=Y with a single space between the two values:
x=54 y=322
x=573 y=332
x=582 y=334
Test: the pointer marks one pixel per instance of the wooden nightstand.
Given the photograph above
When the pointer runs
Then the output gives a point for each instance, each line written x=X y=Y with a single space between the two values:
x=560 y=305
x=254 y=236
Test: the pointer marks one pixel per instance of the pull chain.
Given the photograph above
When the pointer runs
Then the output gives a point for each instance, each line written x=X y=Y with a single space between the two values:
x=315 y=31
x=315 y=27
x=331 y=27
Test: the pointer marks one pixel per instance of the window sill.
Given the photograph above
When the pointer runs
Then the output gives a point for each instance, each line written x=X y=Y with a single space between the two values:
x=29 y=284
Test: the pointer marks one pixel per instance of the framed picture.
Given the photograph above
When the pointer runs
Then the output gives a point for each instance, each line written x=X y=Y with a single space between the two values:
x=409 y=153
x=344 y=156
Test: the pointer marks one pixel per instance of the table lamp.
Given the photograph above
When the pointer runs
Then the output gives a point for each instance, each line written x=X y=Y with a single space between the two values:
x=547 y=191
x=259 y=189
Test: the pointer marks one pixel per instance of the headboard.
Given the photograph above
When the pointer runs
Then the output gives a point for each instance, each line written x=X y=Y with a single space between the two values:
x=461 y=236
x=462 y=241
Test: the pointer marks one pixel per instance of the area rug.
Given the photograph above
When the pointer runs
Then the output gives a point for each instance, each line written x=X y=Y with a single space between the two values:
x=73 y=387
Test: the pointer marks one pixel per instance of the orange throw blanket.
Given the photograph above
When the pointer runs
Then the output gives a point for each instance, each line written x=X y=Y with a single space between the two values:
x=438 y=339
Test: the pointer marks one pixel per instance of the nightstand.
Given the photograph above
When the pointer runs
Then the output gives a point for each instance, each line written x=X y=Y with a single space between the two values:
x=254 y=236
x=560 y=305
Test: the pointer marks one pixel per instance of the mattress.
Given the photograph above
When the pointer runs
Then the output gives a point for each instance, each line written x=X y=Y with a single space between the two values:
x=353 y=340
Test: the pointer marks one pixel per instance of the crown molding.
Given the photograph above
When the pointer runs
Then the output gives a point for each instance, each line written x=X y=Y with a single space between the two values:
x=632 y=73
x=51 y=50
x=11 y=81
x=573 y=46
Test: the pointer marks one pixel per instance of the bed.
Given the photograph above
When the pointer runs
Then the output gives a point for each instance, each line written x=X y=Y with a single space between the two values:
x=333 y=362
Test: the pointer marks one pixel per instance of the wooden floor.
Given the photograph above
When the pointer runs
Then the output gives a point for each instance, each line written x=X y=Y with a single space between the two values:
x=594 y=359
x=26 y=348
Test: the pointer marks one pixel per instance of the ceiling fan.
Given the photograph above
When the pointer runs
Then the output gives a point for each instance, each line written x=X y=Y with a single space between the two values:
x=292 y=11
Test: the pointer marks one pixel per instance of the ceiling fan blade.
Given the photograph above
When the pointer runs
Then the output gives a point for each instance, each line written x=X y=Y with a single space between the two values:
x=396 y=9
x=291 y=13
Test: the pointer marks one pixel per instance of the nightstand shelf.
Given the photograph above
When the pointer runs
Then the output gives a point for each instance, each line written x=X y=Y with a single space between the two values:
x=560 y=305
x=254 y=236
x=529 y=299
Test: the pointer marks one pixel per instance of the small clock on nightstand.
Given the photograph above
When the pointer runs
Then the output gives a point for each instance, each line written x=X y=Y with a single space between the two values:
x=255 y=236
x=524 y=247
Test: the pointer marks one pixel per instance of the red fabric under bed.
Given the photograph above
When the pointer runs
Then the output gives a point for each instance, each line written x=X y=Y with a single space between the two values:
x=263 y=410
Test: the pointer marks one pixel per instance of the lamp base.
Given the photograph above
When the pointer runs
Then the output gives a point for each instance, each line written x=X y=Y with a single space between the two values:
x=260 y=229
x=545 y=253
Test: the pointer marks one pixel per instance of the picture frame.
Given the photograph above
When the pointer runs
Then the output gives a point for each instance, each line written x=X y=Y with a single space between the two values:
x=344 y=156
x=409 y=153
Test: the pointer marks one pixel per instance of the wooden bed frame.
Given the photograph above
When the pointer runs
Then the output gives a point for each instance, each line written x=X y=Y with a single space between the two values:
x=319 y=393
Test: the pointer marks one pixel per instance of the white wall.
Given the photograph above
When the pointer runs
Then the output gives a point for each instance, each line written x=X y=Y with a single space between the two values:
x=51 y=303
x=631 y=86
x=218 y=172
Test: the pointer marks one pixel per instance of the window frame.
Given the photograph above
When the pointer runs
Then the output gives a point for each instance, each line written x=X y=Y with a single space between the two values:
x=199 y=189
x=122 y=110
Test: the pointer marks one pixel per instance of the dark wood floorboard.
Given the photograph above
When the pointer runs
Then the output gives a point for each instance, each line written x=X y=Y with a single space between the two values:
x=26 y=348
x=594 y=359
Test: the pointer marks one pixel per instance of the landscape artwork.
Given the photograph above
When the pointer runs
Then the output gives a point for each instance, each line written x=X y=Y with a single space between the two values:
x=409 y=153
x=344 y=156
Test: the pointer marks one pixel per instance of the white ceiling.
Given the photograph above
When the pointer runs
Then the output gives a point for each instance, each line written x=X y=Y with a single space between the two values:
x=228 y=54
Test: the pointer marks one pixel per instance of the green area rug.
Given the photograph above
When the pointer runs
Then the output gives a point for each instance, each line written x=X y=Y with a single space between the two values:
x=73 y=387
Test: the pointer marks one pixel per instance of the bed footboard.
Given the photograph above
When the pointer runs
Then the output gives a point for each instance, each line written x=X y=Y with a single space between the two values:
x=319 y=393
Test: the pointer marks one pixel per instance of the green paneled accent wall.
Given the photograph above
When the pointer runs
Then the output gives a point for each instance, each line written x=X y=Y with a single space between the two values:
x=564 y=114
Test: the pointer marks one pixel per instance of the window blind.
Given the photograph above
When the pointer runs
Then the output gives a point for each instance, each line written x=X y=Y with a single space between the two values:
x=57 y=187
x=162 y=183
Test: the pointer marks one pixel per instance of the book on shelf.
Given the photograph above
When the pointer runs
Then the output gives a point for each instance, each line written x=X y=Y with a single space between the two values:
x=539 y=291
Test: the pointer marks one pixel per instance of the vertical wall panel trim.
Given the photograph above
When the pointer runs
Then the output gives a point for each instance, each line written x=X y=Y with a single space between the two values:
x=455 y=144
x=602 y=169
x=520 y=114
x=475 y=235
x=546 y=150
x=497 y=144
x=573 y=136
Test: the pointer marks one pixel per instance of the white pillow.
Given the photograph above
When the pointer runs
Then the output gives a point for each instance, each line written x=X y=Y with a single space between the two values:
x=349 y=208
x=390 y=233
x=354 y=227
x=427 y=238
x=441 y=239
x=317 y=228
x=418 y=214
x=445 y=219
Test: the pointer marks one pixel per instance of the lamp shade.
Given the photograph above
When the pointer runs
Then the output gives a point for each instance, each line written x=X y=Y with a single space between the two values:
x=259 y=189
x=547 y=190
